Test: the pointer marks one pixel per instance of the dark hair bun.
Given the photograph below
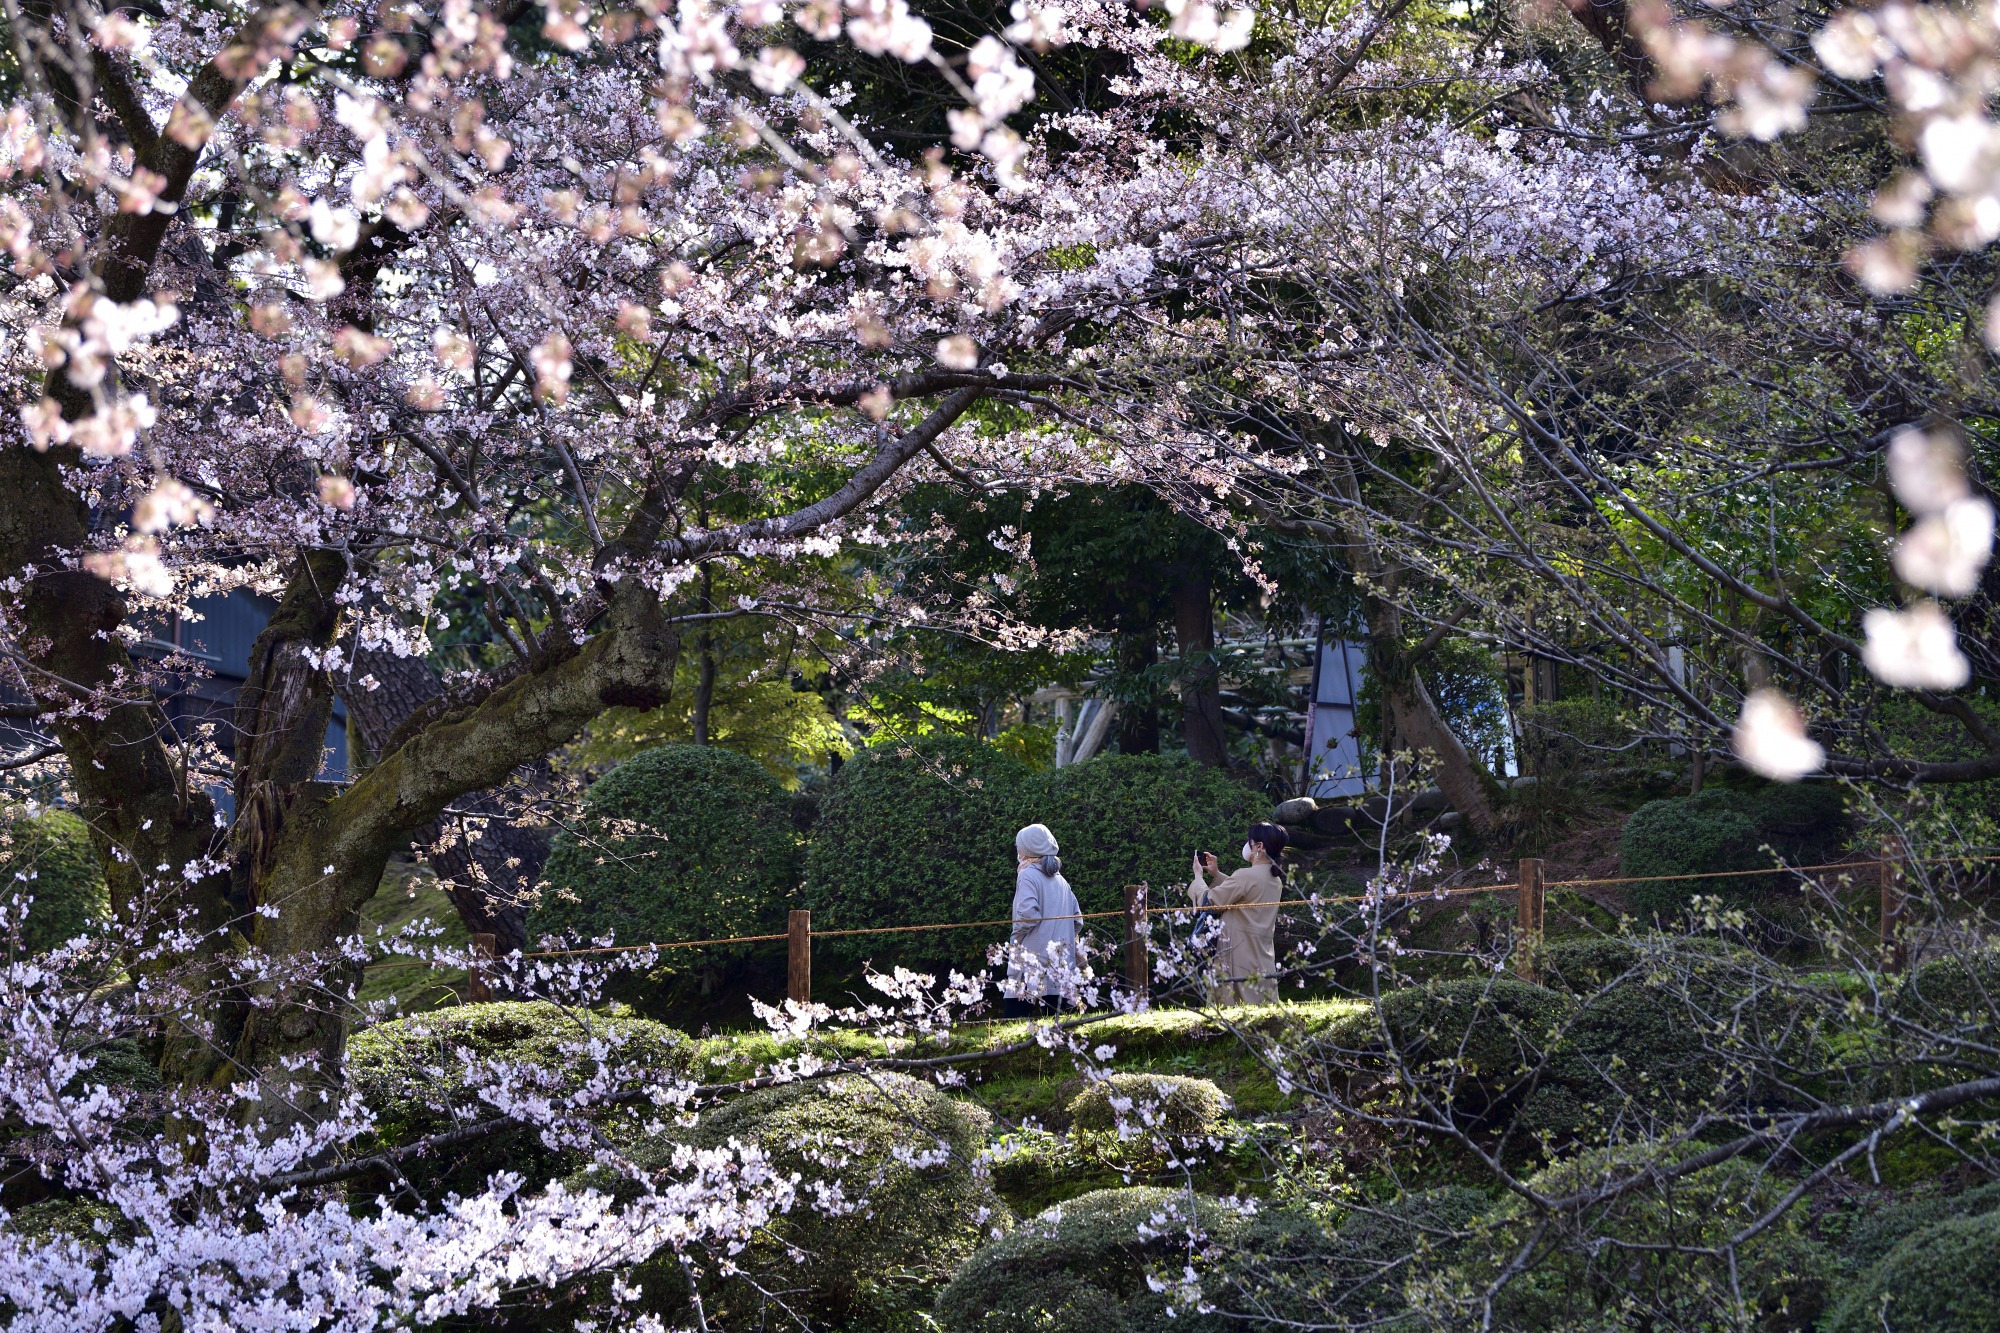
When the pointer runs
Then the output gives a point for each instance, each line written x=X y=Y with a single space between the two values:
x=1274 y=838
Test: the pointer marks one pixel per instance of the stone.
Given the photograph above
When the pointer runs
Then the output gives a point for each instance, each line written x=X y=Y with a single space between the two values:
x=1298 y=810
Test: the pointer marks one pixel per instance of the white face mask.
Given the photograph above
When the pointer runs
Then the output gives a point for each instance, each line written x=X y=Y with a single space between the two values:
x=1248 y=848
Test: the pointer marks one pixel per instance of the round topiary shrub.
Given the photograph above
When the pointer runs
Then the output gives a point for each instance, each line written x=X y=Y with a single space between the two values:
x=1959 y=991
x=1687 y=835
x=1872 y=1236
x=49 y=858
x=1081 y=1266
x=1486 y=1035
x=1942 y=1279
x=1655 y=1248
x=1171 y=1103
x=683 y=842
x=1583 y=966
x=903 y=1155
x=1723 y=830
x=413 y=1073
x=1139 y=818
x=918 y=832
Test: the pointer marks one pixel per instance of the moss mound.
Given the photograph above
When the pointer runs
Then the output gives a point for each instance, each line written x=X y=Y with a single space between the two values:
x=416 y=1074
x=1944 y=1278
x=1081 y=1267
x=49 y=857
x=903 y=1154
x=1169 y=1102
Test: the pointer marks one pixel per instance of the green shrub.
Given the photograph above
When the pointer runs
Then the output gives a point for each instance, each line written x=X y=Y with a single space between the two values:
x=1583 y=966
x=1568 y=736
x=412 y=1074
x=1871 y=1237
x=1688 y=1030
x=1655 y=1277
x=922 y=832
x=49 y=857
x=1139 y=818
x=1173 y=1103
x=683 y=842
x=875 y=1267
x=1081 y=1267
x=1295 y=1272
x=1485 y=1035
x=1944 y=1278
x=1723 y=830
x=916 y=832
x=1959 y=990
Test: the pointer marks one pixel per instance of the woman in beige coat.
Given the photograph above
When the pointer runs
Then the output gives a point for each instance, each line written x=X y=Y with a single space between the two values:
x=1245 y=970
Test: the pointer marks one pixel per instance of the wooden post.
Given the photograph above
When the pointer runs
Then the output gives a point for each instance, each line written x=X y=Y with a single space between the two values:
x=1892 y=944
x=478 y=989
x=1138 y=967
x=799 y=960
x=1528 y=935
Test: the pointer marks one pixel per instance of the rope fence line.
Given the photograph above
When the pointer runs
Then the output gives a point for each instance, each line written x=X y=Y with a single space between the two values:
x=1530 y=886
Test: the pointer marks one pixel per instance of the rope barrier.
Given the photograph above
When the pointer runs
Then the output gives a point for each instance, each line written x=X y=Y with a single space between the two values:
x=1282 y=905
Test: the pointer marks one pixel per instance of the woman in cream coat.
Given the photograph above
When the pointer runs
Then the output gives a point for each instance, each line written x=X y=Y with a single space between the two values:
x=1245 y=970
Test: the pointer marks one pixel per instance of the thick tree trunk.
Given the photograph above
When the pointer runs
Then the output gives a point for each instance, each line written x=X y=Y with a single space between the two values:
x=1420 y=726
x=704 y=688
x=486 y=861
x=1201 y=687
x=1139 y=721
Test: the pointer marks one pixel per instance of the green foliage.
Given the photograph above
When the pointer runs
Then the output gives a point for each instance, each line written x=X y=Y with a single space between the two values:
x=1722 y=830
x=49 y=857
x=923 y=832
x=1581 y=966
x=917 y=832
x=874 y=1267
x=1692 y=1028
x=1944 y=1278
x=413 y=1075
x=1130 y=819
x=1970 y=810
x=1495 y=1029
x=1955 y=990
x=1567 y=736
x=1641 y=1278
x=1869 y=1239
x=1081 y=1267
x=1173 y=1103
x=1632 y=1053
x=683 y=842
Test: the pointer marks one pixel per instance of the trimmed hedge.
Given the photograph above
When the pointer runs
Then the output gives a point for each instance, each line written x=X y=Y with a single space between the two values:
x=682 y=842
x=918 y=832
x=1942 y=1279
x=1139 y=818
x=1173 y=1103
x=876 y=1266
x=1869 y=1239
x=50 y=857
x=1583 y=966
x=1081 y=1267
x=1489 y=1033
x=411 y=1074
x=1722 y=830
x=1652 y=1047
x=922 y=832
x=1580 y=1282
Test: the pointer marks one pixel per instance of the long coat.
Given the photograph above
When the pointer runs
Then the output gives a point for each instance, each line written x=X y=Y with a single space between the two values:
x=1245 y=970
x=1037 y=898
